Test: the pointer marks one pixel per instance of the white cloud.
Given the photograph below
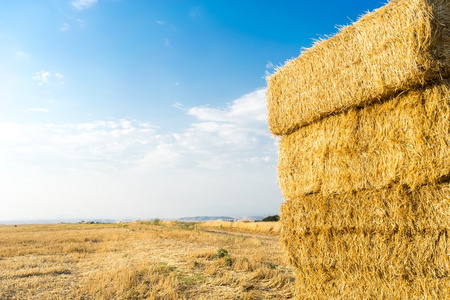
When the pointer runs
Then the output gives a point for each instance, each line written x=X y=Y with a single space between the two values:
x=167 y=42
x=45 y=77
x=99 y=145
x=65 y=27
x=250 y=108
x=159 y=22
x=232 y=136
x=42 y=77
x=229 y=136
x=83 y=4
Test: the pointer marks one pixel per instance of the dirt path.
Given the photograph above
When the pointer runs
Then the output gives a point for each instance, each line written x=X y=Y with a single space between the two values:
x=259 y=236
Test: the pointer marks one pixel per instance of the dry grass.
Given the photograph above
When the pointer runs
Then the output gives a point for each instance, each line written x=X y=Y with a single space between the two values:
x=404 y=44
x=141 y=260
x=404 y=140
x=382 y=244
x=271 y=228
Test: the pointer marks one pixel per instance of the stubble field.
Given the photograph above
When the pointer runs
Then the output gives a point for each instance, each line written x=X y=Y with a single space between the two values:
x=144 y=260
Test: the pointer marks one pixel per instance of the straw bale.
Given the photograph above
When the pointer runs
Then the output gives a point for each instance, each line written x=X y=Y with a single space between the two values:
x=313 y=284
x=404 y=140
x=389 y=243
x=401 y=45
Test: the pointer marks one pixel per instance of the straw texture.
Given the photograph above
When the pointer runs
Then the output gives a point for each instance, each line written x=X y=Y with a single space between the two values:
x=404 y=140
x=381 y=244
x=364 y=159
x=403 y=44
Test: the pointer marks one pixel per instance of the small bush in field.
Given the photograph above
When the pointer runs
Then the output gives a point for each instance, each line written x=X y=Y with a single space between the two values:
x=221 y=253
x=228 y=261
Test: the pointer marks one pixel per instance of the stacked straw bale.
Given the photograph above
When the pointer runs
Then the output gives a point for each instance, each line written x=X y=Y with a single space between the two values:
x=405 y=140
x=397 y=47
x=382 y=244
x=364 y=161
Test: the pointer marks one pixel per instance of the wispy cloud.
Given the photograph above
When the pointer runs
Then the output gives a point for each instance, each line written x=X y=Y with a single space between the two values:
x=45 y=77
x=196 y=12
x=65 y=27
x=165 y=24
x=269 y=68
x=232 y=136
x=21 y=54
x=42 y=77
x=83 y=4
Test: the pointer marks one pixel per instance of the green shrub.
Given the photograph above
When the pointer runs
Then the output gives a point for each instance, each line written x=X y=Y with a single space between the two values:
x=221 y=253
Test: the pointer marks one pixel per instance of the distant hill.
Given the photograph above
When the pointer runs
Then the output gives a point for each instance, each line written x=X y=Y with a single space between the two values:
x=253 y=218
x=207 y=218
x=54 y=221
x=219 y=218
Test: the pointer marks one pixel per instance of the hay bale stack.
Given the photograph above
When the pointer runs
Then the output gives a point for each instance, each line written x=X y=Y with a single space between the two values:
x=364 y=159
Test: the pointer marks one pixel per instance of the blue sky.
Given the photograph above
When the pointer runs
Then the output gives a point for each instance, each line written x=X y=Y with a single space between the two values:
x=144 y=109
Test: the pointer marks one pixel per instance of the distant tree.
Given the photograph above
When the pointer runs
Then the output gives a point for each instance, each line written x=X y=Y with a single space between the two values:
x=274 y=218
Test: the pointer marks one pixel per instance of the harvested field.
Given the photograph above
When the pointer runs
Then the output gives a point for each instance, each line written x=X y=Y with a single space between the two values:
x=404 y=44
x=404 y=140
x=140 y=260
